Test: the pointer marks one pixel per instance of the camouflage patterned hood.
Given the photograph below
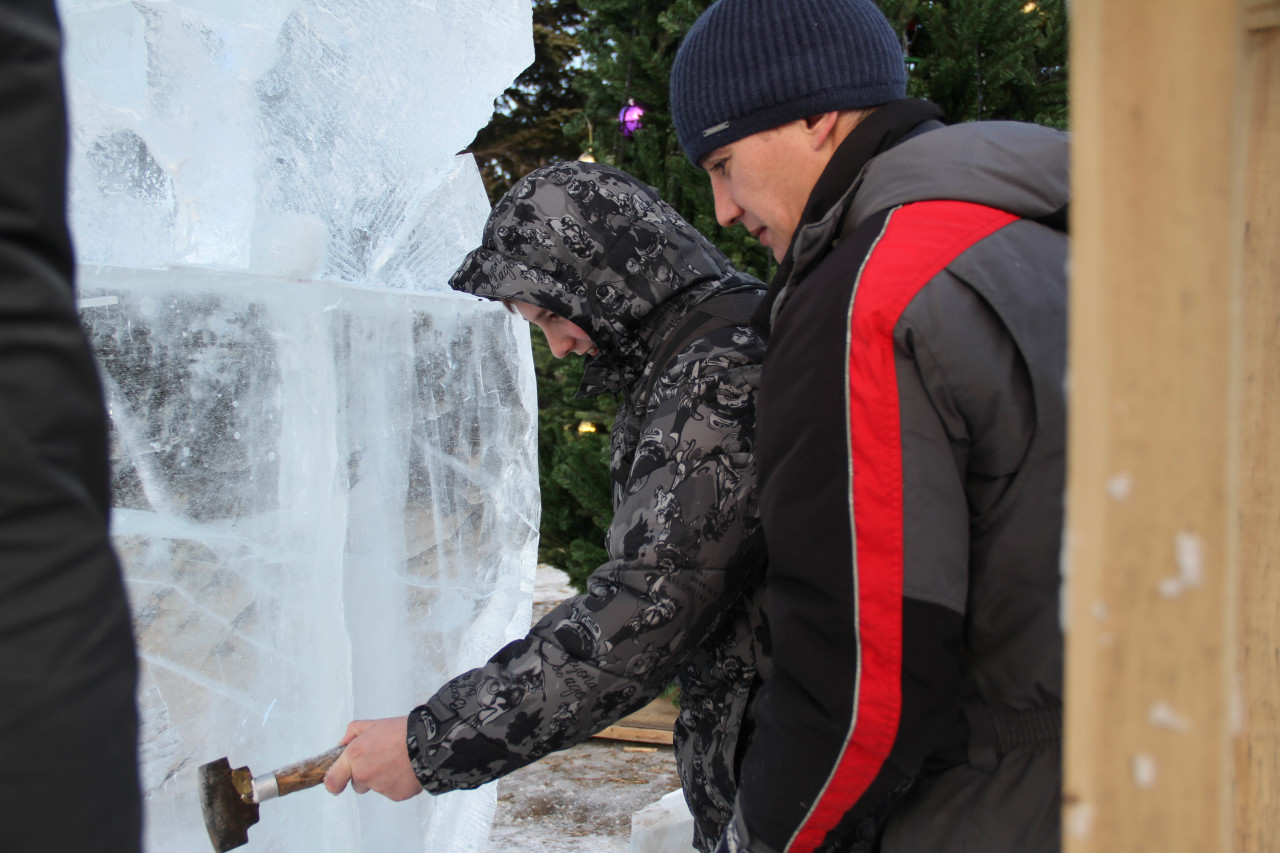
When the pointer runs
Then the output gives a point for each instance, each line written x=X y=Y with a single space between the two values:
x=600 y=248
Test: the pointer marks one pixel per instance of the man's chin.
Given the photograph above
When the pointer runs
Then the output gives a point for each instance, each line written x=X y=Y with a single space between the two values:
x=763 y=239
x=769 y=240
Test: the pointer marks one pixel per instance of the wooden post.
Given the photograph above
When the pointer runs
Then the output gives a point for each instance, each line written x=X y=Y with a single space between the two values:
x=1172 y=550
x=1257 y=779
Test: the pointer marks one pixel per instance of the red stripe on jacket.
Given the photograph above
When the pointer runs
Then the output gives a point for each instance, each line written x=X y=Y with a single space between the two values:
x=918 y=241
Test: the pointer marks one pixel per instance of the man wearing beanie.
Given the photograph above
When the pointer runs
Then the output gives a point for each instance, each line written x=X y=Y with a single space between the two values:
x=911 y=437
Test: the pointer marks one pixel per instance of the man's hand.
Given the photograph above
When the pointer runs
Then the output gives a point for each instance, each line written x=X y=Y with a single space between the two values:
x=376 y=758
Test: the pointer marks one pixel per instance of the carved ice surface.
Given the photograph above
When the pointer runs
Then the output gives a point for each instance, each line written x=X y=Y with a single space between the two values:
x=283 y=137
x=325 y=508
x=323 y=460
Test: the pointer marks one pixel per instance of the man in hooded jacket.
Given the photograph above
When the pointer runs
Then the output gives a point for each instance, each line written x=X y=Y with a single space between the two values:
x=911 y=436
x=609 y=271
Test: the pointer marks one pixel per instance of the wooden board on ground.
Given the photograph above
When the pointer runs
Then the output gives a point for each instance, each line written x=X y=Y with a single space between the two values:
x=651 y=724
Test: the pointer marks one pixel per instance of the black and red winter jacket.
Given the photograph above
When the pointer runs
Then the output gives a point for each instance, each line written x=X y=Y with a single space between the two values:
x=911 y=457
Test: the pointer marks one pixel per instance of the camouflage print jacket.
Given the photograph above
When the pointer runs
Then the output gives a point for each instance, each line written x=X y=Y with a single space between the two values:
x=679 y=597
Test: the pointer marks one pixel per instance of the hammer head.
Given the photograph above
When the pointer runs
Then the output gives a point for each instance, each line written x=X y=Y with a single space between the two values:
x=226 y=799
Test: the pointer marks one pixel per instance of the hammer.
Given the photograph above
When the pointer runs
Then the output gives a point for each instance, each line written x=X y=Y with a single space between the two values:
x=230 y=798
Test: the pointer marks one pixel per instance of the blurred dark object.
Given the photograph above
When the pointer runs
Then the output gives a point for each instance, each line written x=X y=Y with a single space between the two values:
x=68 y=670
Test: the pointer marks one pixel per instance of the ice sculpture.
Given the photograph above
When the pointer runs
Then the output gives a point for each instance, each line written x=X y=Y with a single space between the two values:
x=324 y=463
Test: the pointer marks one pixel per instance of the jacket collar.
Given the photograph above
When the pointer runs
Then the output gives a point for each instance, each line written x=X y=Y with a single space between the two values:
x=829 y=202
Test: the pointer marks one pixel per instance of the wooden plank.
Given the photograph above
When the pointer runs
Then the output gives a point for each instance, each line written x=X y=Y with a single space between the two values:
x=1257 y=505
x=1151 y=588
x=658 y=714
x=651 y=724
x=635 y=734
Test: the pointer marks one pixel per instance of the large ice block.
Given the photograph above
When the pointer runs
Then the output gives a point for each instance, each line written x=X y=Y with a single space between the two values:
x=324 y=462
x=325 y=507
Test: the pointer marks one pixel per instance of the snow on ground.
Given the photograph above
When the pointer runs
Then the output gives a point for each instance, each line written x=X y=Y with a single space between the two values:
x=580 y=800
x=550 y=587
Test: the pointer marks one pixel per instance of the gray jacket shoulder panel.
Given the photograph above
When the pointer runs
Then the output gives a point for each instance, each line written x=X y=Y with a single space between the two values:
x=967 y=402
x=1014 y=166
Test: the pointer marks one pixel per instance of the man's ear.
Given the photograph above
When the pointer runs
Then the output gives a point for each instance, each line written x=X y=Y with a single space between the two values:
x=822 y=128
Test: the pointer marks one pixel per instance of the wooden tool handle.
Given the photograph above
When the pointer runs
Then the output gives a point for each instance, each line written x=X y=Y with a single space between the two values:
x=306 y=773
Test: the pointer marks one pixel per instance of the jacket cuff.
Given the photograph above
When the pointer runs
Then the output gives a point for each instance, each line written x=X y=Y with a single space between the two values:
x=420 y=735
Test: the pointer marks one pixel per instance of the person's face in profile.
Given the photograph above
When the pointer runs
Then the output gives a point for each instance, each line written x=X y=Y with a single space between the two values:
x=562 y=336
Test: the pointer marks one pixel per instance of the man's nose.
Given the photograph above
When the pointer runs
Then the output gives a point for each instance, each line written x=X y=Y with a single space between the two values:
x=561 y=345
x=727 y=211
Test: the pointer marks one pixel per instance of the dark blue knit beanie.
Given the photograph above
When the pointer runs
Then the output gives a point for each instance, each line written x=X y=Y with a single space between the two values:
x=752 y=65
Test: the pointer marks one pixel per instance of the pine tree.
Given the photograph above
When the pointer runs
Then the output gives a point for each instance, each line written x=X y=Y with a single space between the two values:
x=986 y=59
x=527 y=129
x=573 y=466
x=628 y=47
